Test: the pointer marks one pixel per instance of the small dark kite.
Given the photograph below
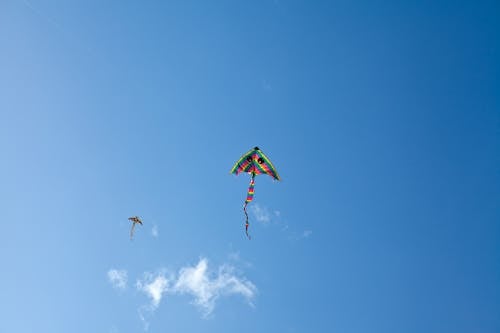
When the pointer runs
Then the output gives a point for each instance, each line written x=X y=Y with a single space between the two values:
x=135 y=220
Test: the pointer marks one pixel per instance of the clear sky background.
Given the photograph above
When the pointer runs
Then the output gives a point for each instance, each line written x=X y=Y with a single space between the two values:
x=382 y=118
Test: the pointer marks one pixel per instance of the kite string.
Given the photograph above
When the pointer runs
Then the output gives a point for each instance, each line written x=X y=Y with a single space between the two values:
x=249 y=199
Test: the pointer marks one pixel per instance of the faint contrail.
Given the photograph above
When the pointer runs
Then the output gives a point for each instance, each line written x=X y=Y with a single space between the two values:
x=42 y=15
x=56 y=25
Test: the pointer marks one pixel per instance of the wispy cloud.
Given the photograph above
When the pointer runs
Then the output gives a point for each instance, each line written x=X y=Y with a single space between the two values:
x=206 y=289
x=261 y=214
x=236 y=259
x=306 y=233
x=234 y=256
x=118 y=278
x=143 y=312
x=154 y=286
x=204 y=285
x=297 y=236
x=197 y=281
x=154 y=231
x=274 y=217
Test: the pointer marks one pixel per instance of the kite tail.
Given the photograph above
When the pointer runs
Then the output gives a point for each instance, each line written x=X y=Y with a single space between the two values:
x=249 y=198
x=132 y=231
x=246 y=222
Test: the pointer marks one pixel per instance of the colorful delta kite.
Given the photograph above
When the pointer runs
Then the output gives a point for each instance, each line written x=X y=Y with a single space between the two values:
x=135 y=220
x=253 y=162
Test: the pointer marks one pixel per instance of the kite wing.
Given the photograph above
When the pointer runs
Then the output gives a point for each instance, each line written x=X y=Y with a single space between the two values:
x=135 y=219
x=255 y=162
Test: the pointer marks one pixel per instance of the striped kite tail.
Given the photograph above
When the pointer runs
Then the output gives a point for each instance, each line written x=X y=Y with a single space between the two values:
x=249 y=199
x=250 y=190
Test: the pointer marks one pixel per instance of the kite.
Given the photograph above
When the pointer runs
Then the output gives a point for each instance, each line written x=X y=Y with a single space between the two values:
x=253 y=162
x=135 y=220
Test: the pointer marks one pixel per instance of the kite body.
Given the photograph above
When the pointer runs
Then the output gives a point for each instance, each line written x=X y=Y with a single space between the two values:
x=253 y=162
x=135 y=220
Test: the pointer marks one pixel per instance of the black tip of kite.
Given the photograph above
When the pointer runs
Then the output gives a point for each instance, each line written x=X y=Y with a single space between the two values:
x=256 y=148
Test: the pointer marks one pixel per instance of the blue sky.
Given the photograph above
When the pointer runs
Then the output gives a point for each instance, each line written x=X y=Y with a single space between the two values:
x=382 y=119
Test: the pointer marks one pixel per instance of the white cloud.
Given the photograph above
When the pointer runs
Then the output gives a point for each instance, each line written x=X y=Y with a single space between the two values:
x=273 y=217
x=118 y=278
x=154 y=231
x=261 y=214
x=197 y=282
x=154 y=287
x=204 y=286
x=234 y=256
x=144 y=311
